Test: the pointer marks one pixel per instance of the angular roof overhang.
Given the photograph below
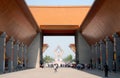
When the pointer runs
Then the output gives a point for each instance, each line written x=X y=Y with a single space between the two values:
x=17 y=21
x=101 y=21
x=72 y=47
x=45 y=46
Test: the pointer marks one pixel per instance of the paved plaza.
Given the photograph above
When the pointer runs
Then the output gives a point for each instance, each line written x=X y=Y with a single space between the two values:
x=61 y=73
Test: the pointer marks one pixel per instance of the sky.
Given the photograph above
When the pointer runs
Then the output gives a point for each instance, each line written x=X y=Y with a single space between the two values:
x=62 y=41
x=59 y=2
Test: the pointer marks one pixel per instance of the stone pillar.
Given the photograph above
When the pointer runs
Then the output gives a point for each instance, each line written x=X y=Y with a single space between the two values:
x=9 y=53
x=103 y=53
x=34 y=52
x=41 y=51
x=109 y=52
x=93 y=55
x=15 y=55
x=83 y=49
x=25 y=56
x=2 y=51
x=77 y=52
x=117 y=50
x=20 y=54
x=97 y=50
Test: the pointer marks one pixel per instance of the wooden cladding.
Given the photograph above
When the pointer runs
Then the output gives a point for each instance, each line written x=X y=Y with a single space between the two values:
x=105 y=22
x=14 y=22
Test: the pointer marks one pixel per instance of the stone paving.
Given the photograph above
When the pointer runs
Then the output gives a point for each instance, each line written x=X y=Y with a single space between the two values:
x=61 y=73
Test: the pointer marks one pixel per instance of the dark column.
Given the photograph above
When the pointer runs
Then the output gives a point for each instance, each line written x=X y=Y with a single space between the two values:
x=97 y=50
x=2 y=51
x=15 y=55
x=117 y=50
x=103 y=52
x=20 y=54
x=93 y=56
x=25 y=56
x=41 y=47
x=9 y=53
x=109 y=53
x=76 y=44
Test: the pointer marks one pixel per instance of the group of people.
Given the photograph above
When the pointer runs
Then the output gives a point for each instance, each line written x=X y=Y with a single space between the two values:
x=82 y=66
x=55 y=66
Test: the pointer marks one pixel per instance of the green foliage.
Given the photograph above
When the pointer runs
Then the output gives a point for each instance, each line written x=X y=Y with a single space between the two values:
x=73 y=60
x=68 y=58
x=48 y=59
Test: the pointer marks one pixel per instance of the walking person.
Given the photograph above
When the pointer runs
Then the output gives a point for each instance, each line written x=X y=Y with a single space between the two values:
x=106 y=70
x=41 y=64
x=55 y=67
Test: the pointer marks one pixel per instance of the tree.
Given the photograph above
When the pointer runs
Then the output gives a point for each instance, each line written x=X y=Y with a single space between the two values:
x=68 y=58
x=48 y=59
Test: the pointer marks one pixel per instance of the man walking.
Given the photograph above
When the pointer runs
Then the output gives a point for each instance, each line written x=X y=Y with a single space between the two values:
x=106 y=70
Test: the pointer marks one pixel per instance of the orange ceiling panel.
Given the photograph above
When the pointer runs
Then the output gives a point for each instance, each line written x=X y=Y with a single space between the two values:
x=59 y=15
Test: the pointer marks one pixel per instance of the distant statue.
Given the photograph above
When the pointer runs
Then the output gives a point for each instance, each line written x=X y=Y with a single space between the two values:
x=58 y=56
x=58 y=53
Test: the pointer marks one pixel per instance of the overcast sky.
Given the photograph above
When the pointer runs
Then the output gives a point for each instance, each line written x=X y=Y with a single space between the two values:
x=59 y=2
x=62 y=41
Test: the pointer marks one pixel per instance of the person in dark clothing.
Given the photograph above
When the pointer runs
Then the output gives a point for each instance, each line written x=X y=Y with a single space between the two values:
x=106 y=70
x=55 y=67
x=114 y=66
x=41 y=63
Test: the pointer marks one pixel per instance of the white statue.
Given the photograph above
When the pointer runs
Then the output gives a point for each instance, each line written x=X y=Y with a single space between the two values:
x=58 y=53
